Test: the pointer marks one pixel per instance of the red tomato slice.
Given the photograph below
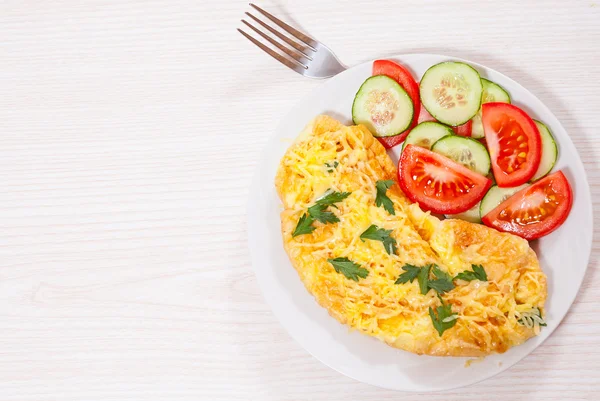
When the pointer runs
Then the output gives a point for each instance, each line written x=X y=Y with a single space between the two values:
x=403 y=76
x=425 y=116
x=534 y=211
x=465 y=129
x=462 y=130
x=513 y=141
x=389 y=142
x=407 y=82
x=438 y=183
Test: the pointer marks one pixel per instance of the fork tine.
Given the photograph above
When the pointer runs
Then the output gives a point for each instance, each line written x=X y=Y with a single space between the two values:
x=291 y=53
x=300 y=69
x=302 y=49
x=294 y=32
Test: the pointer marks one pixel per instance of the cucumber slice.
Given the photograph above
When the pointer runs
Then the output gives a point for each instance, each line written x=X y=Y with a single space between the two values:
x=477 y=127
x=426 y=134
x=383 y=106
x=492 y=92
x=451 y=92
x=549 y=151
x=466 y=151
x=496 y=196
x=471 y=215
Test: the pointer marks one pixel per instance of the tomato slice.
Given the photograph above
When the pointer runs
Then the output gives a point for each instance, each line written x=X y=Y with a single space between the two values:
x=408 y=83
x=438 y=183
x=465 y=129
x=513 y=141
x=425 y=116
x=389 y=142
x=534 y=211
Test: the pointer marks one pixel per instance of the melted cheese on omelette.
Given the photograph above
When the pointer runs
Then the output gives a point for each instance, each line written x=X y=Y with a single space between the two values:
x=488 y=311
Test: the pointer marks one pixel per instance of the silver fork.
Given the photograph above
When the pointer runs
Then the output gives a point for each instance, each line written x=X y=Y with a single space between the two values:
x=298 y=51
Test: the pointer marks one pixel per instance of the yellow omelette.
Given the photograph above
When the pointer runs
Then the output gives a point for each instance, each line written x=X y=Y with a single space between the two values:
x=487 y=316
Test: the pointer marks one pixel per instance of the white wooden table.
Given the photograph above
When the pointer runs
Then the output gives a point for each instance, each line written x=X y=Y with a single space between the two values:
x=130 y=130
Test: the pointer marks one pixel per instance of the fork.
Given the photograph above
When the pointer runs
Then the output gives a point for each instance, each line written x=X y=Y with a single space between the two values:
x=299 y=52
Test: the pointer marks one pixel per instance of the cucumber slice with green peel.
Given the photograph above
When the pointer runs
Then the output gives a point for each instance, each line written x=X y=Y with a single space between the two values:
x=496 y=196
x=383 y=106
x=492 y=92
x=549 y=151
x=466 y=151
x=426 y=134
x=477 y=127
x=451 y=92
x=471 y=215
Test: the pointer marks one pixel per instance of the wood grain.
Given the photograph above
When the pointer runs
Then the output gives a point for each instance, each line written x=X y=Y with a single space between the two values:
x=130 y=131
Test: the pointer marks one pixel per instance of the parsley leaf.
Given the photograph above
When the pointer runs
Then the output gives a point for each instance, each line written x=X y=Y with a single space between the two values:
x=332 y=197
x=379 y=234
x=348 y=268
x=443 y=318
x=442 y=283
x=332 y=166
x=478 y=273
x=410 y=274
x=319 y=213
x=304 y=225
x=423 y=278
x=440 y=274
x=441 y=286
x=381 y=199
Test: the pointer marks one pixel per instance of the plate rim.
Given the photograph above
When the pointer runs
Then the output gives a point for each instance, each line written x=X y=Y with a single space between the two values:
x=257 y=178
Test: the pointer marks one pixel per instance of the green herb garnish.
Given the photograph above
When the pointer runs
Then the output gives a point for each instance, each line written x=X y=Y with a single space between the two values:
x=332 y=197
x=304 y=225
x=443 y=318
x=331 y=166
x=443 y=281
x=320 y=213
x=532 y=318
x=381 y=199
x=348 y=268
x=423 y=278
x=410 y=274
x=379 y=234
x=478 y=273
x=441 y=284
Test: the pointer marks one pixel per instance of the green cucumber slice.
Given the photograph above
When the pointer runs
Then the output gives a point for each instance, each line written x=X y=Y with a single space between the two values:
x=549 y=151
x=477 y=127
x=496 y=196
x=451 y=92
x=492 y=92
x=383 y=106
x=466 y=151
x=426 y=134
x=471 y=215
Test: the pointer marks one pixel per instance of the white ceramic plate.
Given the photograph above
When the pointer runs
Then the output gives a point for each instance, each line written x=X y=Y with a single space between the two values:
x=563 y=255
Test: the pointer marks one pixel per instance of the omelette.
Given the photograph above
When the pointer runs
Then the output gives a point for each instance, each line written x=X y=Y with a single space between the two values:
x=427 y=286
